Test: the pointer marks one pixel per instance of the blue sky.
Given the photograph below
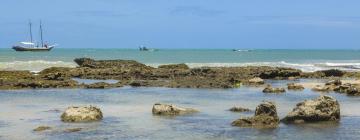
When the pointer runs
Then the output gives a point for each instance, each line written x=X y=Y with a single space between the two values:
x=280 y=24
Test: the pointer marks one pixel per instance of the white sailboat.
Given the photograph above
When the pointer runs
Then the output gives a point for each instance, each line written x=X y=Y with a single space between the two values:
x=31 y=46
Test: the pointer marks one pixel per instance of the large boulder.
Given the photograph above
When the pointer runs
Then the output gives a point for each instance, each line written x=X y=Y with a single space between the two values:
x=270 y=89
x=295 y=86
x=323 y=108
x=265 y=117
x=81 y=114
x=169 y=109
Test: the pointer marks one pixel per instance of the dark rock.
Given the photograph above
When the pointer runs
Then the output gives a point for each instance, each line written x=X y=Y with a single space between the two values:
x=265 y=117
x=333 y=72
x=99 y=85
x=85 y=62
x=323 y=108
x=280 y=73
x=239 y=109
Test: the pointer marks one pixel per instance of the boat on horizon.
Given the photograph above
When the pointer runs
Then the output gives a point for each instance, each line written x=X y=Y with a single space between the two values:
x=143 y=48
x=31 y=46
x=240 y=50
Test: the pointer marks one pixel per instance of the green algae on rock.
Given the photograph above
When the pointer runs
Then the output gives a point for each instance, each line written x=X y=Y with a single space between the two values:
x=81 y=114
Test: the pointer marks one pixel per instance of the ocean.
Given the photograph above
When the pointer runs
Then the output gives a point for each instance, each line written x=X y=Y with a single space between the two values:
x=127 y=110
x=306 y=60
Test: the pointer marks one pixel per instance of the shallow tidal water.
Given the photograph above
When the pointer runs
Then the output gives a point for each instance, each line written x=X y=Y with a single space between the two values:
x=127 y=114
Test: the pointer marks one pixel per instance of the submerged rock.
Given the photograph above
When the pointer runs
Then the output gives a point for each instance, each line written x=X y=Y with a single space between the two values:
x=42 y=128
x=333 y=83
x=239 y=109
x=256 y=81
x=323 y=108
x=349 y=89
x=269 y=89
x=70 y=130
x=321 y=88
x=169 y=109
x=294 y=86
x=265 y=117
x=99 y=85
x=81 y=114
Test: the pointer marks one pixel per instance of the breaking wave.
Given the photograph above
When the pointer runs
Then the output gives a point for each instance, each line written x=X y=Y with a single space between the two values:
x=34 y=65
x=38 y=65
x=306 y=67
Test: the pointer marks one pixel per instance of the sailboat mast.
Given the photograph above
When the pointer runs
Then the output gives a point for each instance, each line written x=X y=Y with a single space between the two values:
x=41 y=35
x=31 y=38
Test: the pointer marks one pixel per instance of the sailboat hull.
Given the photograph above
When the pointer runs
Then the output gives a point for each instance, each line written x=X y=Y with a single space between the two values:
x=19 y=48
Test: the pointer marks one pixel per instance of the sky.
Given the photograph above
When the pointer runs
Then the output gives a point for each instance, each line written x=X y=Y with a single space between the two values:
x=213 y=24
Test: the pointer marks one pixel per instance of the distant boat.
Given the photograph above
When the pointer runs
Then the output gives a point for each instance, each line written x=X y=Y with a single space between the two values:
x=31 y=46
x=239 y=50
x=143 y=48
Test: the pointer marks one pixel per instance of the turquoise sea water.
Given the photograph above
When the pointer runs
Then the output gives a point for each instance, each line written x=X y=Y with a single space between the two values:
x=127 y=114
x=307 y=60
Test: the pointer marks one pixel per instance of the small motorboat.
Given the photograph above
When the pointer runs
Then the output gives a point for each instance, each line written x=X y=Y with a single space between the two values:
x=143 y=48
x=239 y=50
x=31 y=46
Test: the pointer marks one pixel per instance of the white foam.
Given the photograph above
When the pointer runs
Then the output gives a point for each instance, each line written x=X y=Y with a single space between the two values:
x=38 y=65
x=306 y=67
x=34 y=65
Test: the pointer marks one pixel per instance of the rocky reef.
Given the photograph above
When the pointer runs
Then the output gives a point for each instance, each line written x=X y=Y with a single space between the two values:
x=339 y=87
x=133 y=73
